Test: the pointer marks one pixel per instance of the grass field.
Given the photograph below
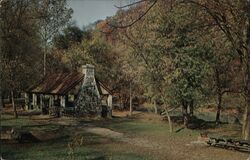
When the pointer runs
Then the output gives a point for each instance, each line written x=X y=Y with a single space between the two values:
x=144 y=136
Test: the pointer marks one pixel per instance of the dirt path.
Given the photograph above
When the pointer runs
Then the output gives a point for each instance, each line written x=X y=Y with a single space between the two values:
x=105 y=132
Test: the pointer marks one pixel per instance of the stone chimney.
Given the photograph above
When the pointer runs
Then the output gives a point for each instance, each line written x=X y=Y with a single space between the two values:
x=88 y=100
x=89 y=71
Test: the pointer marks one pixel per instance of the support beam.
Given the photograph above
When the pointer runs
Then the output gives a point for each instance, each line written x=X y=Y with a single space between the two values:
x=26 y=99
x=110 y=105
x=41 y=101
x=51 y=101
x=34 y=101
x=62 y=101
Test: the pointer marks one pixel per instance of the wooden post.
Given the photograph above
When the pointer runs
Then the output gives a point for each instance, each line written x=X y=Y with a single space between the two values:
x=110 y=105
x=41 y=101
x=62 y=101
x=51 y=100
x=34 y=101
x=26 y=99
x=62 y=106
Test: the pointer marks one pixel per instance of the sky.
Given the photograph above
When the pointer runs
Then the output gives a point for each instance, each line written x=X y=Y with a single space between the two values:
x=89 y=11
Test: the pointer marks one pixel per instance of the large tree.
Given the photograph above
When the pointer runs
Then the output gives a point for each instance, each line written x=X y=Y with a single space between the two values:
x=163 y=43
x=229 y=17
x=19 y=46
x=233 y=19
x=21 y=22
x=53 y=15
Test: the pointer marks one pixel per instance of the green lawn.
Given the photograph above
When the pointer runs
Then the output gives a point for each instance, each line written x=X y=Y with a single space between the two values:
x=96 y=147
x=150 y=128
x=58 y=148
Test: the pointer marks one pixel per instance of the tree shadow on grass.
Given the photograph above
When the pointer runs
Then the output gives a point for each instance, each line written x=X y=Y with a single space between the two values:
x=196 y=123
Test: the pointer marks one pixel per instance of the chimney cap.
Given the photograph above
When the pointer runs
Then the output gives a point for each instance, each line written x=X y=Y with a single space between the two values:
x=88 y=66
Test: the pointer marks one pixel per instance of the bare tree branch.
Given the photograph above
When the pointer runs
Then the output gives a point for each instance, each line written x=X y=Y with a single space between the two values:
x=135 y=21
x=131 y=4
x=220 y=21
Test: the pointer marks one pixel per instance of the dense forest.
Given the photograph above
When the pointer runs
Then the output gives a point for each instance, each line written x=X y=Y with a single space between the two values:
x=173 y=54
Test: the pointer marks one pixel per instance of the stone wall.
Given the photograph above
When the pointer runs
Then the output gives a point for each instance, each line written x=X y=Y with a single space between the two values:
x=88 y=102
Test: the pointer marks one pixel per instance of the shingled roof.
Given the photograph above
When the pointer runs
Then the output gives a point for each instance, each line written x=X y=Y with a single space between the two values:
x=59 y=83
x=62 y=83
x=102 y=88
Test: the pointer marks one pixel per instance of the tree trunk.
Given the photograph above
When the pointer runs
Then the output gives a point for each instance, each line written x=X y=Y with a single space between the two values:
x=218 y=108
x=185 y=114
x=191 y=109
x=219 y=94
x=13 y=104
x=1 y=101
x=155 y=107
x=169 y=120
x=246 y=118
x=168 y=116
x=130 y=100
x=246 y=122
